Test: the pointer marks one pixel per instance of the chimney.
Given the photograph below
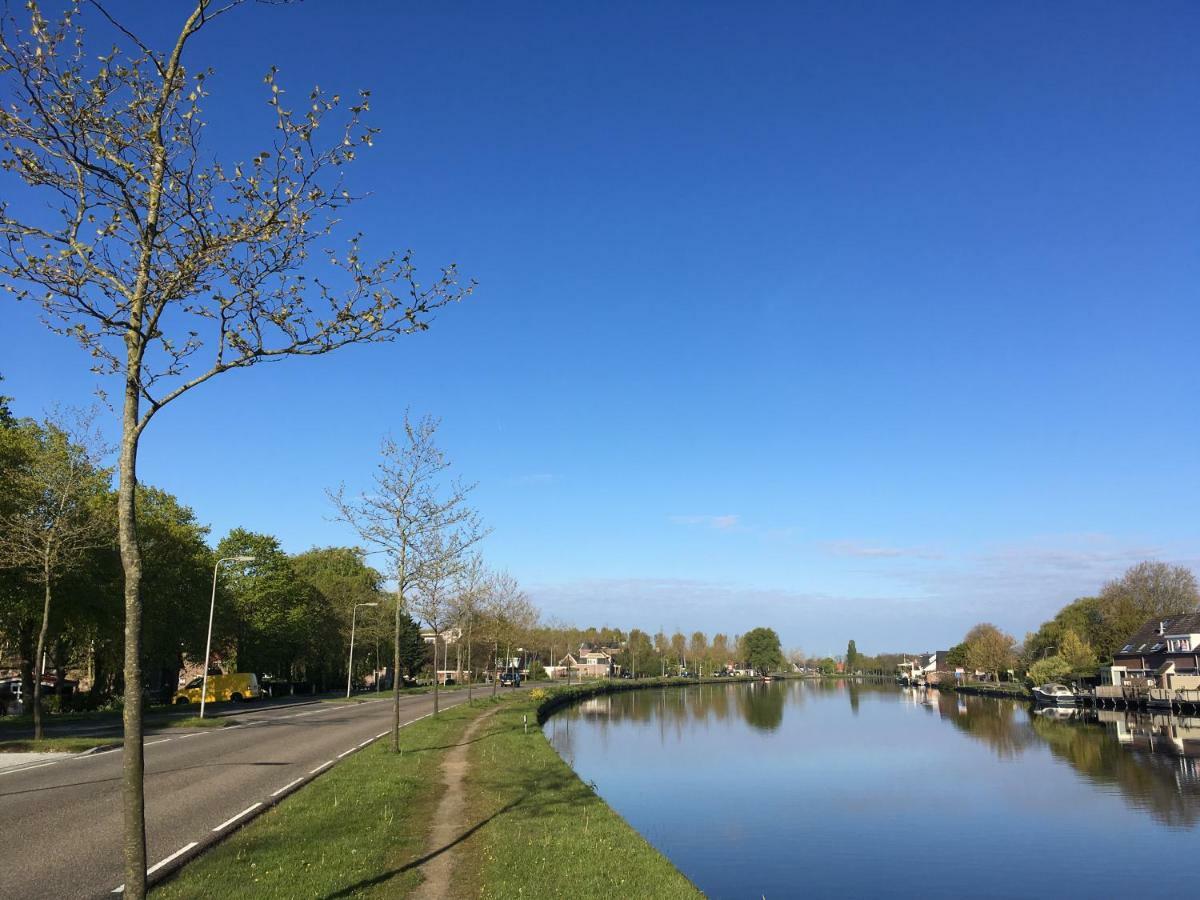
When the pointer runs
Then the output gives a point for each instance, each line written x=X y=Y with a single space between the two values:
x=1162 y=627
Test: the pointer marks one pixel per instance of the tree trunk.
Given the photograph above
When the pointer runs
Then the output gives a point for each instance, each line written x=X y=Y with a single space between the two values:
x=41 y=649
x=470 y=673
x=396 y=665
x=133 y=792
x=436 y=637
x=495 y=670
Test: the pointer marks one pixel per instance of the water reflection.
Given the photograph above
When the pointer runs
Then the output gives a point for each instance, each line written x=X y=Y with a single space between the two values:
x=790 y=782
x=1152 y=759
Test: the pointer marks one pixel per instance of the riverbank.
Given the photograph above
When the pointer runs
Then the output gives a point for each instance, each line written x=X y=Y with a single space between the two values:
x=1004 y=689
x=538 y=827
x=526 y=824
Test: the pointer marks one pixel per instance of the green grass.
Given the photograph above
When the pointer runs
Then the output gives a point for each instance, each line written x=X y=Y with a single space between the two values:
x=55 y=745
x=541 y=832
x=354 y=831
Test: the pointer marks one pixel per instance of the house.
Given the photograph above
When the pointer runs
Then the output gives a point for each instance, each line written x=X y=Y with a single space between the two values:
x=1171 y=639
x=927 y=668
x=590 y=663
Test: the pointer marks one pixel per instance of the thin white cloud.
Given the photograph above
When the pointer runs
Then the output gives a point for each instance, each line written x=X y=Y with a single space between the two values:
x=860 y=550
x=721 y=523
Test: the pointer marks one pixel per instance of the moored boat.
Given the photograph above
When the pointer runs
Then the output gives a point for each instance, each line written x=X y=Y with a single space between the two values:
x=1054 y=694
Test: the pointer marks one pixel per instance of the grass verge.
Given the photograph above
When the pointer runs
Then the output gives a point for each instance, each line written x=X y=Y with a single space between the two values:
x=55 y=745
x=356 y=831
x=540 y=831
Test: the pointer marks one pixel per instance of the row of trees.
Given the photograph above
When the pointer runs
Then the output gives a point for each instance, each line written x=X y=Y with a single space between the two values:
x=1087 y=632
x=642 y=653
x=60 y=579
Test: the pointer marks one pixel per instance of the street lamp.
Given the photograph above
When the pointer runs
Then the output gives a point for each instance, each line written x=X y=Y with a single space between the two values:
x=350 y=666
x=211 y=607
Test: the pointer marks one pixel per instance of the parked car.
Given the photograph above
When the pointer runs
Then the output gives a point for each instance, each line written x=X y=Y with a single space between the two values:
x=238 y=686
x=512 y=678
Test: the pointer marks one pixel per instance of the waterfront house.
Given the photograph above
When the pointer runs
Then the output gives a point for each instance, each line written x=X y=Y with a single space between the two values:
x=927 y=668
x=1171 y=639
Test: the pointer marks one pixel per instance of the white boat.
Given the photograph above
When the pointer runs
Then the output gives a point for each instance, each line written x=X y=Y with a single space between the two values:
x=1054 y=694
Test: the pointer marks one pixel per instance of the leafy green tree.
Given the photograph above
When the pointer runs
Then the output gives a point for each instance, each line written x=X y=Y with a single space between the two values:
x=1052 y=668
x=762 y=650
x=1077 y=652
x=989 y=649
x=276 y=621
x=344 y=579
x=177 y=582
x=851 y=657
x=956 y=655
x=1084 y=616
x=53 y=521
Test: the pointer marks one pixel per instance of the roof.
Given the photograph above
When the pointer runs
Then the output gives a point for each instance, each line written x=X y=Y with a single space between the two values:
x=1144 y=639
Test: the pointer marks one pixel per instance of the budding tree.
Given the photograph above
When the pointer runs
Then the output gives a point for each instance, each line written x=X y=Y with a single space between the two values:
x=470 y=589
x=171 y=267
x=443 y=557
x=410 y=500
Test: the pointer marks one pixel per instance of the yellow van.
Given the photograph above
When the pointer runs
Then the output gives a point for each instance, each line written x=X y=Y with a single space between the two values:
x=238 y=686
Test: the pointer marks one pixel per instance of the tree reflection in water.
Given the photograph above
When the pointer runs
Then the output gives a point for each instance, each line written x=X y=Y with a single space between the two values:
x=1152 y=760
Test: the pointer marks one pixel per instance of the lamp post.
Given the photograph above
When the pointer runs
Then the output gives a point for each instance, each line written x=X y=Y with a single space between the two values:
x=350 y=665
x=211 y=608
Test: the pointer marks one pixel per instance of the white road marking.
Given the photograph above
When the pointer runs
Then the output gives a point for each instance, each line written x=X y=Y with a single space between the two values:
x=382 y=733
x=228 y=822
x=152 y=743
x=27 y=768
x=346 y=752
x=174 y=856
x=290 y=784
x=328 y=762
x=158 y=865
x=367 y=741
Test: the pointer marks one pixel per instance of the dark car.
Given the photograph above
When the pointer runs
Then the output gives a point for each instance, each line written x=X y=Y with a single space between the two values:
x=513 y=678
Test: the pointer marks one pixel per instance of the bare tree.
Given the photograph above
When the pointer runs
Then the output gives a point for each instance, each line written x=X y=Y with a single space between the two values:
x=470 y=591
x=506 y=614
x=171 y=268
x=57 y=486
x=443 y=561
x=411 y=501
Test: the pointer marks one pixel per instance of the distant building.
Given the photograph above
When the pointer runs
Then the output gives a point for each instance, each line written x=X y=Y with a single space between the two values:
x=927 y=668
x=590 y=663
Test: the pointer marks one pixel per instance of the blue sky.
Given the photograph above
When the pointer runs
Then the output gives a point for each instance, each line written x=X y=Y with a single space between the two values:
x=858 y=320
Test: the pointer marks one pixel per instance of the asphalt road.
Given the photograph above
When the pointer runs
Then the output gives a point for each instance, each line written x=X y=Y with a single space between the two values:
x=61 y=831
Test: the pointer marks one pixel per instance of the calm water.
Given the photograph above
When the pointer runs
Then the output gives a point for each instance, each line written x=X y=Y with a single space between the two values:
x=865 y=790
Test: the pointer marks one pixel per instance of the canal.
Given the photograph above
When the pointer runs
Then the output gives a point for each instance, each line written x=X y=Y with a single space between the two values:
x=861 y=789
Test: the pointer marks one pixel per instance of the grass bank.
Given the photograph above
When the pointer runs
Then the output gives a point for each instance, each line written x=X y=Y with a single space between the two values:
x=1008 y=689
x=356 y=831
x=361 y=830
x=538 y=830
x=55 y=745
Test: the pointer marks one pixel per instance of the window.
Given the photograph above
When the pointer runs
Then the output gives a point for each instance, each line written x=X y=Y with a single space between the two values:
x=1158 y=646
x=1127 y=648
